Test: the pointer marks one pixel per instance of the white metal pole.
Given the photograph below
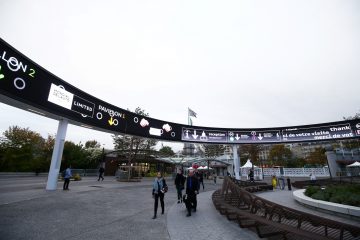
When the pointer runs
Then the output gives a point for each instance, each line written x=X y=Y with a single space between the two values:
x=188 y=116
x=57 y=155
x=236 y=162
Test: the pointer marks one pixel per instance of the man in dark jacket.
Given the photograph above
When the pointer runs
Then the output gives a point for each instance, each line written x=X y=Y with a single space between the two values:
x=192 y=189
x=101 y=172
x=67 y=176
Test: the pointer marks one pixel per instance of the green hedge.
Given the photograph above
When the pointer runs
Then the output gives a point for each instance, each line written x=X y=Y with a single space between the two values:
x=348 y=194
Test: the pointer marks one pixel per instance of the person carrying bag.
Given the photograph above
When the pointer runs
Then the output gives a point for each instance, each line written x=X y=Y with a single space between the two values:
x=159 y=189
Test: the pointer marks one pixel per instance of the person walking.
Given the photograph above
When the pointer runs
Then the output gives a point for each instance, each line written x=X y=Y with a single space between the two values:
x=67 y=177
x=201 y=180
x=214 y=178
x=192 y=189
x=312 y=178
x=251 y=175
x=179 y=183
x=158 y=192
x=273 y=182
x=101 y=172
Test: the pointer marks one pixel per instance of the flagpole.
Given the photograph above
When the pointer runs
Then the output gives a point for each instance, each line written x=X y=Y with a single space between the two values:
x=188 y=117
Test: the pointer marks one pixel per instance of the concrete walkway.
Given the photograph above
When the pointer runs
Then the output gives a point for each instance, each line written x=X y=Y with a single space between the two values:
x=111 y=210
x=106 y=210
x=205 y=223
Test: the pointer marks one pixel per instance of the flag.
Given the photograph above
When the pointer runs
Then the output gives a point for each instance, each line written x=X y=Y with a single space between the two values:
x=192 y=113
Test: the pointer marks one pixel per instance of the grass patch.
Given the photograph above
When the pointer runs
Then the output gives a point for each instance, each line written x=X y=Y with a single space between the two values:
x=348 y=194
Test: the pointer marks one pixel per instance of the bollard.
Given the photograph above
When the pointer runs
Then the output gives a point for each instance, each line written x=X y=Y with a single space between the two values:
x=289 y=184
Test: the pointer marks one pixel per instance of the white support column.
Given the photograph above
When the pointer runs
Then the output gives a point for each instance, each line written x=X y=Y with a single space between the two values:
x=236 y=163
x=57 y=155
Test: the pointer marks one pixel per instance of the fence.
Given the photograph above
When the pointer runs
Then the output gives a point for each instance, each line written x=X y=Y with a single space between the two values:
x=287 y=172
x=85 y=172
x=81 y=172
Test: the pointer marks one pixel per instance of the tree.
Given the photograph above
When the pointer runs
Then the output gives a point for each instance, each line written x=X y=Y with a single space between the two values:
x=213 y=150
x=23 y=150
x=295 y=163
x=356 y=116
x=43 y=164
x=79 y=156
x=252 y=150
x=317 y=157
x=92 y=144
x=94 y=153
x=131 y=146
x=74 y=155
x=166 y=151
x=279 y=154
x=94 y=156
x=351 y=144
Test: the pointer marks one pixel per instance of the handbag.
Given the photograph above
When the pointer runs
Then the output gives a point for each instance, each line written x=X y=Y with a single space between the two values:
x=165 y=188
x=185 y=198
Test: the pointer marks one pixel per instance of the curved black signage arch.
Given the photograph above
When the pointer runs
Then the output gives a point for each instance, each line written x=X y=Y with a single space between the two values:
x=26 y=85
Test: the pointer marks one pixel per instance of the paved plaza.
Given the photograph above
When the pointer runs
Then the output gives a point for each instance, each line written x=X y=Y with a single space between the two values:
x=110 y=210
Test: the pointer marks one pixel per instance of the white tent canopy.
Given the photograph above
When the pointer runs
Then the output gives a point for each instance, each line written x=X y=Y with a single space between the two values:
x=204 y=168
x=248 y=164
x=355 y=164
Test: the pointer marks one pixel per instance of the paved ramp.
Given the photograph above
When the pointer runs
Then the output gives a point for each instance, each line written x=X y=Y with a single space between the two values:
x=205 y=224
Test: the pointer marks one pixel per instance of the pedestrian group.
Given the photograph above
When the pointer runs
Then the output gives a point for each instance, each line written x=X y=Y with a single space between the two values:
x=190 y=184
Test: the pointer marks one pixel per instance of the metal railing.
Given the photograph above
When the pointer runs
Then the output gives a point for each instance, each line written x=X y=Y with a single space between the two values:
x=288 y=172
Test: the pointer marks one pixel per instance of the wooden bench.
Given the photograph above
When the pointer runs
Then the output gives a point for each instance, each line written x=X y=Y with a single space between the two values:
x=270 y=219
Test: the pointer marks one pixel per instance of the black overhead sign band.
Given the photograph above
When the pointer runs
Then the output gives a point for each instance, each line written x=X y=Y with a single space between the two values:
x=26 y=85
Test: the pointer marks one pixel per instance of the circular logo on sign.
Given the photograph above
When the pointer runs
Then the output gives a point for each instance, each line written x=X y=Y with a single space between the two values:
x=19 y=83
x=358 y=125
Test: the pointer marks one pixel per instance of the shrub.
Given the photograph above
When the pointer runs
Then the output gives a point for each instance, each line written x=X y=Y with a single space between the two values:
x=310 y=190
x=319 y=196
x=77 y=177
x=353 y=200
x=151 y=174
x=348 y=194
x=336 y=199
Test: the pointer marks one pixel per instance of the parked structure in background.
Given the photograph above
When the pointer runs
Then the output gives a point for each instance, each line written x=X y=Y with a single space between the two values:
x=338 y=159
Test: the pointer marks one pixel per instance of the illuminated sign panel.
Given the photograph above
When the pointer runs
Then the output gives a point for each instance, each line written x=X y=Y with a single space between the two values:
x=204 y=135
x=60 y=96
x=26 y=82
x=318 y=133
x=254 y=136
x=83 y=106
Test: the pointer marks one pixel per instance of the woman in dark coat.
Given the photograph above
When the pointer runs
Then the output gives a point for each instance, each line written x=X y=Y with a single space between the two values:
x=158 y=192
x=179 y=183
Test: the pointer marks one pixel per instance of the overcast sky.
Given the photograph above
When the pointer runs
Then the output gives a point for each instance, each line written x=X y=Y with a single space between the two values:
x=238 y=64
